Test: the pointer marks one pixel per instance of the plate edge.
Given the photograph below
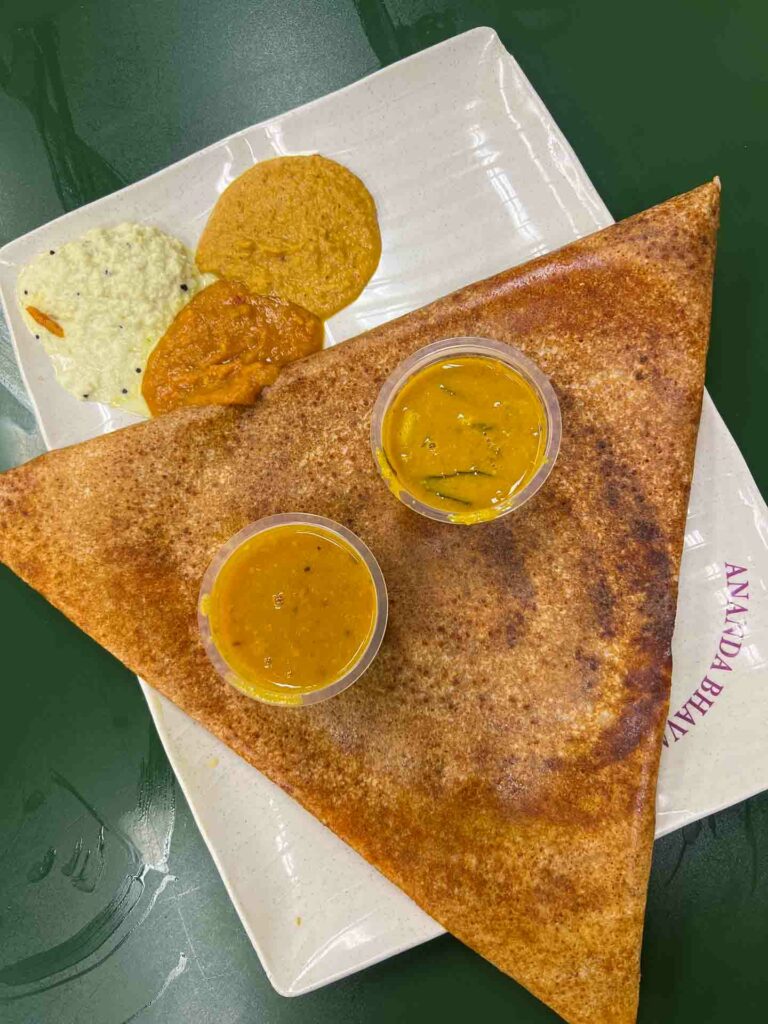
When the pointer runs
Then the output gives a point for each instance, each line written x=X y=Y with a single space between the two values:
x=479 y=31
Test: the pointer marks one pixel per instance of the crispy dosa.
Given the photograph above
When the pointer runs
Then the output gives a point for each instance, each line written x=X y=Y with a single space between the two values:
x=499 y=760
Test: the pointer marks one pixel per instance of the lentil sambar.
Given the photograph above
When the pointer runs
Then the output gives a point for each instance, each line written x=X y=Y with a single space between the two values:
x=465 y=434
x=292 y=610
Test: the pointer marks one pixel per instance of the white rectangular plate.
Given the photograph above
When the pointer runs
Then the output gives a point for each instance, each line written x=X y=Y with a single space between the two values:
x=470 y=175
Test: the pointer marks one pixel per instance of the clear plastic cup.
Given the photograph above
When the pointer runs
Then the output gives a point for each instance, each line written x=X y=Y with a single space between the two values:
x=456 y=347
x=369 y=652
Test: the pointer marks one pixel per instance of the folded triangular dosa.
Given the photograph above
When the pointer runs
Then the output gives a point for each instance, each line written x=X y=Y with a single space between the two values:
x=498 y=761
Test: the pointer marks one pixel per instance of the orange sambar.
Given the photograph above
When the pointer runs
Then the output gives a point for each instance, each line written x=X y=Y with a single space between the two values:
x=224 y=346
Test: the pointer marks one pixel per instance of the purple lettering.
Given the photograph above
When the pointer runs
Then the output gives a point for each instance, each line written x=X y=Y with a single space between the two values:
x=714 y=688
x=734 y=609
x=677 y=730
x=733 y=570
x=720 y=664
x=700 y=702
x=729 y=648
x=685 y=714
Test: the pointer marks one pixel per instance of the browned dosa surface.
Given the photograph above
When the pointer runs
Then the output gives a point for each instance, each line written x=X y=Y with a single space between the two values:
x=499 y=760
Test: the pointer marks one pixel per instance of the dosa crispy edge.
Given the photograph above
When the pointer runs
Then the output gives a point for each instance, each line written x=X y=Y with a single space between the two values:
x=499 y=760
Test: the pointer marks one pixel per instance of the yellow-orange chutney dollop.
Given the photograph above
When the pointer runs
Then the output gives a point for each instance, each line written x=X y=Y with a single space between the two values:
x=301 y=227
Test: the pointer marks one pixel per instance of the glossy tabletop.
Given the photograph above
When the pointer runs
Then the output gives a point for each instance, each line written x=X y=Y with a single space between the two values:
x=95 y=94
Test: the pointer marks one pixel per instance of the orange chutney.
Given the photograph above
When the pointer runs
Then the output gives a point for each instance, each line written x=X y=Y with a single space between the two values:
x=224 y=346
x=291 y=611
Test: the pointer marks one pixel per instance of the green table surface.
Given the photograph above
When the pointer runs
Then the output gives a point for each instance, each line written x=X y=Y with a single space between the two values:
x=655 y=98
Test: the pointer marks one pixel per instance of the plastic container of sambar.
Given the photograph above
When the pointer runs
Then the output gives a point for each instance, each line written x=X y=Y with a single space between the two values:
x=366 y=655
x=449 y=348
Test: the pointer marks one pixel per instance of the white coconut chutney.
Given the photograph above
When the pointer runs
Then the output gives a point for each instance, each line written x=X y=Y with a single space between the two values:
x=113 y=292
